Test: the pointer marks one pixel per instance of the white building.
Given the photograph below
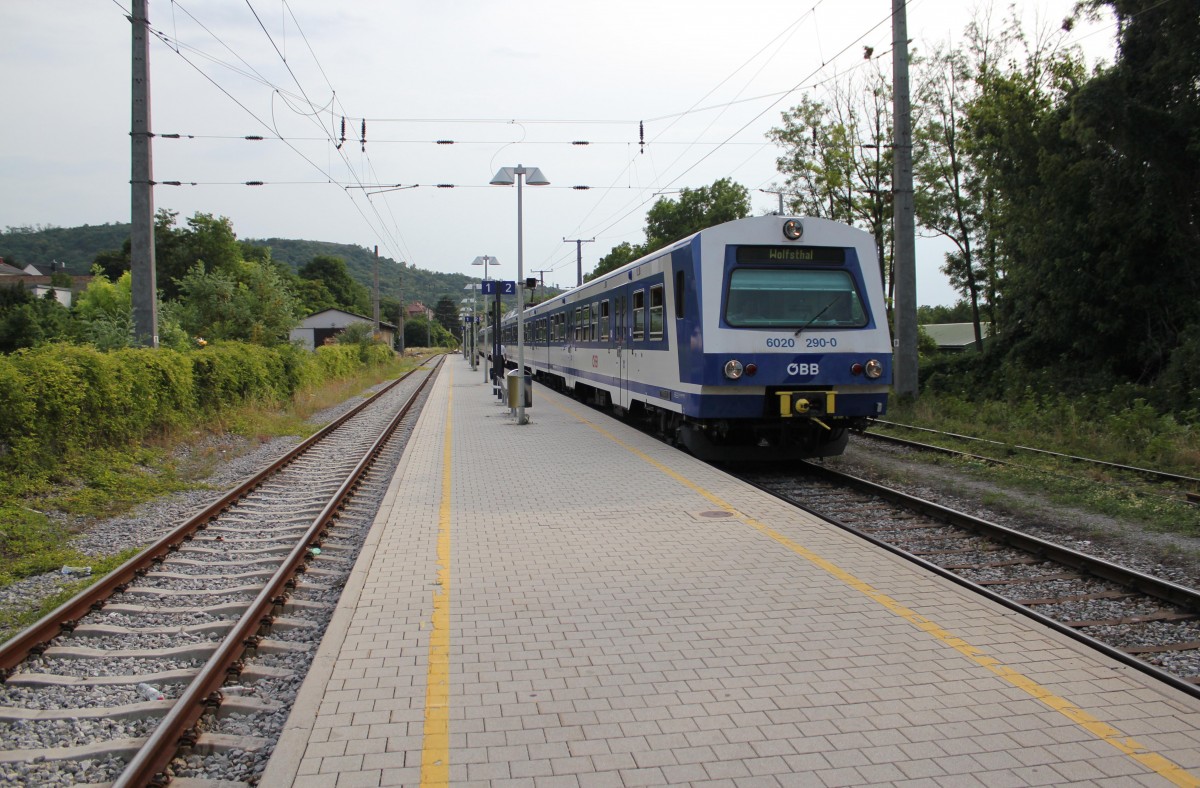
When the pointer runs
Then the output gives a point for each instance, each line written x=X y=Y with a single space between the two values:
x=320 y=328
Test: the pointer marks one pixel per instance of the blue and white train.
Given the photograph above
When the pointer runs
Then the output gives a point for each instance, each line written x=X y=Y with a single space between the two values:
x=761 y=338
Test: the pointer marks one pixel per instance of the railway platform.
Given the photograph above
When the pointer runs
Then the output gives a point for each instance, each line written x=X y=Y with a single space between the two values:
x=571 y=603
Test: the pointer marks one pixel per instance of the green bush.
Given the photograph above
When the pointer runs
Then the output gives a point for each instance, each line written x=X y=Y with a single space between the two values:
x=16 y=415
x=60 y=400
x=375 y=354
x=338 y=361
x=300 y=367
x=161 y=388
x=1180 y=381
x=229 y=373
x=72 y=389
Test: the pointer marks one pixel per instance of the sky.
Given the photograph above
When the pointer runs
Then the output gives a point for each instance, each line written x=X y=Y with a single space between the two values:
x=699 y=82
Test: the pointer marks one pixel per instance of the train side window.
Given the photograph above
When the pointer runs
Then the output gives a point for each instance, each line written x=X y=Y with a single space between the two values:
x=621 y=318
x=595 y=319
x=639 y=315
x=583 y=326
x=679 y=295
x=604 y=321
x=575 y=332
x=656 y=312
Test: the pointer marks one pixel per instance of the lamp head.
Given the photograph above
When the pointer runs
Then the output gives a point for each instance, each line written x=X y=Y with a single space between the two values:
x=507 y=176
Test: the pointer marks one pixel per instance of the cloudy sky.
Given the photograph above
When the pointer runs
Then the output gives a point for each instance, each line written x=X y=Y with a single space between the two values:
x=700 y=82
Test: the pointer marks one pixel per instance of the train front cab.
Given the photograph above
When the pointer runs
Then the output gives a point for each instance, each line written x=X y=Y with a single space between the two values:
x=796 y=348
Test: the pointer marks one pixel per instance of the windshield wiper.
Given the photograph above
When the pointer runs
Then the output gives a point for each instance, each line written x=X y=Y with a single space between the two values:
x=815 y=318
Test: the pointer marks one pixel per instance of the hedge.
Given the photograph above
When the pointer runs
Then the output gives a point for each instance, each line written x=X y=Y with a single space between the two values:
x=57 y=399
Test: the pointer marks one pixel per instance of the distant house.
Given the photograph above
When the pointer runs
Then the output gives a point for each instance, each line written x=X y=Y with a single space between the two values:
x=956 y=337
x=31 y=278
x=321 y=328
x=417 y=309
x=64 y=295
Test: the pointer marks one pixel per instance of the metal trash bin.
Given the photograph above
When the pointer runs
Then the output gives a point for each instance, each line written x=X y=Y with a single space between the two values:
x=513 y=381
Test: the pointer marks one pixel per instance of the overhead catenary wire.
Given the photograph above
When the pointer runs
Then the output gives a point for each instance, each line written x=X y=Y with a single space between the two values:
x=328 y=107
x=798 y=86
x=378 y=226
x=365 y=171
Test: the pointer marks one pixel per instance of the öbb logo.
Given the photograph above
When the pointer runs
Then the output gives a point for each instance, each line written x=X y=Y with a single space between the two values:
x=803 y=369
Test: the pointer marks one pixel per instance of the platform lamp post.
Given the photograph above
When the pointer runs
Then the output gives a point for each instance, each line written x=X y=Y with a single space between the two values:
x=506 y=176
x=485 y=261
x=473 y=305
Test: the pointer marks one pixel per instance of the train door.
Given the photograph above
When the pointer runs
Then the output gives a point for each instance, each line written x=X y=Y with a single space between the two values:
x=621 y=338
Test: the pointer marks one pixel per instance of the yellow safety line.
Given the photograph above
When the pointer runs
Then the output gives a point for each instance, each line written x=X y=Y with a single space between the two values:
x=435 y=752
x=1098 y=728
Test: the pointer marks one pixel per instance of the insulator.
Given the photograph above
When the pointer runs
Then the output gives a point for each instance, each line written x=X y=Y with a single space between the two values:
x=254 y=137
x=581 y=142
x=254 y=183
x=445 y=185
x=445 y=142
x=581 y=188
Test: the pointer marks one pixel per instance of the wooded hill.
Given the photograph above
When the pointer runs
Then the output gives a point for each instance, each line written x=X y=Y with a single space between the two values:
x=77 y=248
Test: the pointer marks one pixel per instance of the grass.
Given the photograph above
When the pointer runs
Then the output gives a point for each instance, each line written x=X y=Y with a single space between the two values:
x=40 y=515
x=1133 y=436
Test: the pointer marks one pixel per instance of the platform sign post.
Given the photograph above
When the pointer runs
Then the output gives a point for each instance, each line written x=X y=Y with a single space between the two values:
x=498 y=287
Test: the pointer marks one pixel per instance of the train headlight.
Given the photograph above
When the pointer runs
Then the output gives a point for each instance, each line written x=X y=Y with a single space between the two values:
x=733 y=369
x=874 y=369
x=792 y=230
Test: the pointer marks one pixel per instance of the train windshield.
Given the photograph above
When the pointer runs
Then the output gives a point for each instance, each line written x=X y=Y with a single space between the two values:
x=793 y=298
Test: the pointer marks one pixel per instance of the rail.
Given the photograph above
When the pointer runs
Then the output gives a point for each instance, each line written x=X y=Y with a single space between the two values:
x=1164 y=590
x=173 y=730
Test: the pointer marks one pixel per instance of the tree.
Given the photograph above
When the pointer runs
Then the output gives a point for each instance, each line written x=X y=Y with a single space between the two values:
x=312 y=296
x=206 y=239
x=836 y=162
x=332 y=273
x=620 y=254
x=252 y=303
x=104 y=312
x=1140 y=122
x=114 y=262
x=26 y=320
x=446 y=314
x=959 y=313
x=954 y=199
x=422 y=332
x=670 y=220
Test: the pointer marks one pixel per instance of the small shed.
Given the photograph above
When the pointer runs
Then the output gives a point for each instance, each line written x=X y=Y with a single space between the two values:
x=320 y=328
x=956 y=337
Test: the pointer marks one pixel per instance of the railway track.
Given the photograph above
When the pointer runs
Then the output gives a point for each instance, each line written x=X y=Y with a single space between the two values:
x=181 y=662
x=1144 y=621
x=1185 y=488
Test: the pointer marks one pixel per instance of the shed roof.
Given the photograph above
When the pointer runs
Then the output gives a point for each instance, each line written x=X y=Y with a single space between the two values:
x=335 y=314
x=956 y=335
